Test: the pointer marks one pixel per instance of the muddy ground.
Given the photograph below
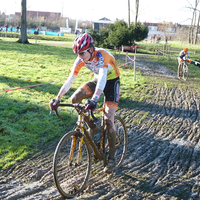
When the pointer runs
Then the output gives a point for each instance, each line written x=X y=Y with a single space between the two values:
x=163 y=157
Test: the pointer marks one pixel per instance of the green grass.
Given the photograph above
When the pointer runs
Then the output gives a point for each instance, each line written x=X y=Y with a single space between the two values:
x=65 y=38
x=25 y=124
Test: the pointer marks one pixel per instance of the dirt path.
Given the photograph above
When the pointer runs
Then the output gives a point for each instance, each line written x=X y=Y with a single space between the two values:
x=162 y=160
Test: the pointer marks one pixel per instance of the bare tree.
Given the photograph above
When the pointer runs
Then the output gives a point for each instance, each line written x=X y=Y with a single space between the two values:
x=136 y=10
x=23 y=39
x=129 y=21
x=197 y=30
x=191 y=36
x=136 y=15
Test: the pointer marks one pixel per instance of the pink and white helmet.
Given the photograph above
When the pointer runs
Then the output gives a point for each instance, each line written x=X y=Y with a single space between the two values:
x=82 y=43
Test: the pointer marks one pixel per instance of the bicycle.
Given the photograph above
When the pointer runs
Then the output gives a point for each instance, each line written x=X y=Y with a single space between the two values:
x=73 y=155
x=183 y=70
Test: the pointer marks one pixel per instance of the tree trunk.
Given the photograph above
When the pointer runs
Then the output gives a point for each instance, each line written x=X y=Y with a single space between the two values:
x=136 y=11
x=23 y=39
x=191 y=37
x=190 y=29
x=136 y=17
x=129 y=20
x=197 y=30
x=193 y=27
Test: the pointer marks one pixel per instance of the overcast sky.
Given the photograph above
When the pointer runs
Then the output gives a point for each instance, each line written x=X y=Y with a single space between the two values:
x=149 y=10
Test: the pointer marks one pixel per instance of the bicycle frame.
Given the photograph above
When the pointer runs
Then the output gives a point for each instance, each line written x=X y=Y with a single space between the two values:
x=82 y=129
x=184 y=69
x=184 y=65
x=184 y=62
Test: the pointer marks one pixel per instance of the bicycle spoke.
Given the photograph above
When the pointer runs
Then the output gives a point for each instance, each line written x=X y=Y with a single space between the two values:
x=185 y=72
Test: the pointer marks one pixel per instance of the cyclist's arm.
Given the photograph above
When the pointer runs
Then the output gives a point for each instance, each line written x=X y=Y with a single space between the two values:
x=75 y=70
x=66 y=86
x=102 y=77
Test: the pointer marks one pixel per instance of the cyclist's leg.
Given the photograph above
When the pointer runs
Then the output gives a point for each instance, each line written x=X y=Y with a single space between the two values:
x=111 y=130
x=84 y=92
x=111 y=92
x=179 y=66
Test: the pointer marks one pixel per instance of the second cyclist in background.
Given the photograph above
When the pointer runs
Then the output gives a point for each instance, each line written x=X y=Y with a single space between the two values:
x=183 y=55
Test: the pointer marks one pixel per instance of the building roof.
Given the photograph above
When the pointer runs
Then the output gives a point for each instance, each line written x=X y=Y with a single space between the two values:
x=104 y=20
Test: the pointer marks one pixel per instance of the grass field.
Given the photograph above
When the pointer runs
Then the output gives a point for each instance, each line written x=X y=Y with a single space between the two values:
x=25 y=123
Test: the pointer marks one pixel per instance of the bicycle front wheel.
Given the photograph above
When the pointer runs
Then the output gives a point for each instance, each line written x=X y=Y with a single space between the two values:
x=185 y=72
x=121 y=140
x=180 y=71
x=71 y=164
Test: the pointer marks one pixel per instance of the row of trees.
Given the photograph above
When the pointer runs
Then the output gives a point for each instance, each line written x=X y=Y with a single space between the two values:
x=122 y=33
x=116 y=35
x=194 y=27
x=51 y=22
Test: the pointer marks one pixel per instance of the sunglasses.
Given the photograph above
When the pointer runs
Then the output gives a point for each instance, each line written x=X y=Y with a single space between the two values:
x=83 y=52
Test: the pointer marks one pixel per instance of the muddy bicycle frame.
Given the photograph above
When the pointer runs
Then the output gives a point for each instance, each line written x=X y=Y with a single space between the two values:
x=183 y=71
x=76 y=148
x=99 y=153
x=184 y=62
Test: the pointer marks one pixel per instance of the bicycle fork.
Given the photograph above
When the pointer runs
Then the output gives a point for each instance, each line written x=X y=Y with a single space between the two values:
x=77 y=138
x=73 y=145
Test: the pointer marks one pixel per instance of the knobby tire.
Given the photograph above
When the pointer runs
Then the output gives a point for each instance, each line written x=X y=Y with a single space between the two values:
x=121 y=141
x=185 y=71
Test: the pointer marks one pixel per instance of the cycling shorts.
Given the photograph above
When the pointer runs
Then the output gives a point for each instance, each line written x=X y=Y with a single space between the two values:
x=111 y=91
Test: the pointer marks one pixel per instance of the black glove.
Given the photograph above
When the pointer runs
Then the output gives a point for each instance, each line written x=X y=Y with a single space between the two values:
x=91 y=105
x=53 y=105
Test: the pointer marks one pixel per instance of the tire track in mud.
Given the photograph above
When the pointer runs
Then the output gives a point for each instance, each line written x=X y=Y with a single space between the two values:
x=167 y=145
x=162 y=159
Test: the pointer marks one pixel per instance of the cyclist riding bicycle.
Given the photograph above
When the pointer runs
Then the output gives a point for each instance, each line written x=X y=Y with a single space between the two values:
x=106 y=80
x=183 y=55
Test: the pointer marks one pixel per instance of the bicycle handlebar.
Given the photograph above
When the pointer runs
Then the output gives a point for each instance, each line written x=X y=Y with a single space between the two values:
x=80 y=108
x=186 y=60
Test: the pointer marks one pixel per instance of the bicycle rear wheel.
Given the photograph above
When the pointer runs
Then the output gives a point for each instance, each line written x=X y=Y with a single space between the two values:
x=71 y=170
x=121 y=140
